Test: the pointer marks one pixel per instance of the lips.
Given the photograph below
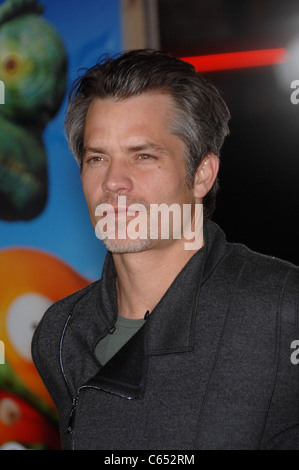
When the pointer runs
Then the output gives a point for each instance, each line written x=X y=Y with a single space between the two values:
x=119 y=211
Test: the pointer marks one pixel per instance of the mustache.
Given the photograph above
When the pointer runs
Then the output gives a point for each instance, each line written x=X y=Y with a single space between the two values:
x=119 y=201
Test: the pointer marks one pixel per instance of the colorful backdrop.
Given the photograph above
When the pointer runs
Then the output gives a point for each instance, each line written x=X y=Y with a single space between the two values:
x=48 y=248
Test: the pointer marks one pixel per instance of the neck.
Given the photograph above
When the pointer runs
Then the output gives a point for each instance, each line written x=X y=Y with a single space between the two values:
x=144 y=277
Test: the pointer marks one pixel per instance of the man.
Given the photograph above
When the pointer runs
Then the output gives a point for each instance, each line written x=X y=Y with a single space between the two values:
x=183 y=344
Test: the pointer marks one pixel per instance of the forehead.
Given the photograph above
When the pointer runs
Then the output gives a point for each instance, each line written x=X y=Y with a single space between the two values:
x=146 y=110
x=138 y=123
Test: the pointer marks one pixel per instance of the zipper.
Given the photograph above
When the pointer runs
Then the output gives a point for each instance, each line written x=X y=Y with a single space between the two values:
x=70 y=426
x=71 y=421
x=60 y=356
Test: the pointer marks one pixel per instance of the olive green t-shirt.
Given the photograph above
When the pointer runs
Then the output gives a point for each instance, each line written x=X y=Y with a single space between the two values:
x=125 y=328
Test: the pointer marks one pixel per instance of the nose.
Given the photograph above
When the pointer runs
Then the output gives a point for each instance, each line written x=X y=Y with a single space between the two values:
x=117 y=179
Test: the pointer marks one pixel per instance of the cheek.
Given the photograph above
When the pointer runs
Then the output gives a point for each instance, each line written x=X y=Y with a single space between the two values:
x=91 y=198
x=171 y=186
x=91 y=187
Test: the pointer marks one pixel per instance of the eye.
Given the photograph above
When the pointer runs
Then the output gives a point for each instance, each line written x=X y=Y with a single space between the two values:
x=93 y=160
x=145 y=156
x=11 y=65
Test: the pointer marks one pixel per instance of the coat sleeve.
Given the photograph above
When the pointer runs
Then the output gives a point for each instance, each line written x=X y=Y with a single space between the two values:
x=282 y=424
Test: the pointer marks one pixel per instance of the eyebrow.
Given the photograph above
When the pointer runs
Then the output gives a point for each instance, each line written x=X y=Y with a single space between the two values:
x=92 y=150
x=142 y=147
x=146 y=146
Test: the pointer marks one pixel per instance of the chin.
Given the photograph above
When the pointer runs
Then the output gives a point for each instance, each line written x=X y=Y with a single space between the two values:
x=126 y=246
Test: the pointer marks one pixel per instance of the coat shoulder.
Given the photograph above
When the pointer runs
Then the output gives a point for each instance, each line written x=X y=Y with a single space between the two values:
x=271 y=265
x=50 y=327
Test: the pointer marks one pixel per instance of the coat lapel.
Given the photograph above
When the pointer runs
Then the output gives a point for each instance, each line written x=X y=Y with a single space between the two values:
x=125 y=373
x=170 y=328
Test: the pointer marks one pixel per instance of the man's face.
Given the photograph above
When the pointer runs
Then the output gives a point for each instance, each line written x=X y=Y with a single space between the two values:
x=129 y=151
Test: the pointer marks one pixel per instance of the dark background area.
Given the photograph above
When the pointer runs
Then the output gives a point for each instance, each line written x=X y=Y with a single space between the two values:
x=258 y=203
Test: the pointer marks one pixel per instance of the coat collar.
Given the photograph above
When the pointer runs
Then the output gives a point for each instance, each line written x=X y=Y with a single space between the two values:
x=169 y=328
x=170 y=323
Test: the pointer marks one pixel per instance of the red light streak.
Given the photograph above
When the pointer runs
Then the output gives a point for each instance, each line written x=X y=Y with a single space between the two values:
x=237 y=60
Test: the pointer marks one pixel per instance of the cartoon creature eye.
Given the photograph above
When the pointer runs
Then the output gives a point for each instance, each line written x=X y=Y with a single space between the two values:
x=24 y=314
x=11 y=65
x=9 y=411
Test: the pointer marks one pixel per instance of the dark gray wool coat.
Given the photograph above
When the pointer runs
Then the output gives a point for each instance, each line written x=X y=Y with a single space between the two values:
x=210 y=369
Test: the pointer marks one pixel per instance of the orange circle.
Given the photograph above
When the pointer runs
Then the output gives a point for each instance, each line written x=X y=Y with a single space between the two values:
x=31 y=271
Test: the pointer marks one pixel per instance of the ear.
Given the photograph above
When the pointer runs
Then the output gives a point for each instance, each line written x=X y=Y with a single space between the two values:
x=205 y=175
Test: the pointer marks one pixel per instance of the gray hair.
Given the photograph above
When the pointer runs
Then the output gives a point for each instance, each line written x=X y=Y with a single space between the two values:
x=202 y=115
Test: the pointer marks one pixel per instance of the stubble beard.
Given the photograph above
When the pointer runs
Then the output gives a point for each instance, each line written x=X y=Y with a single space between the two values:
x=127 y=245
x=123 y=234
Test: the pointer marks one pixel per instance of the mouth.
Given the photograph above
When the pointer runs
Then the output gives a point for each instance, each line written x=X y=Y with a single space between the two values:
x=120 y=212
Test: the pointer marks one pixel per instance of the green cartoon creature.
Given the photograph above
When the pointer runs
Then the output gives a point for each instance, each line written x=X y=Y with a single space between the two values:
x=33 y=74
